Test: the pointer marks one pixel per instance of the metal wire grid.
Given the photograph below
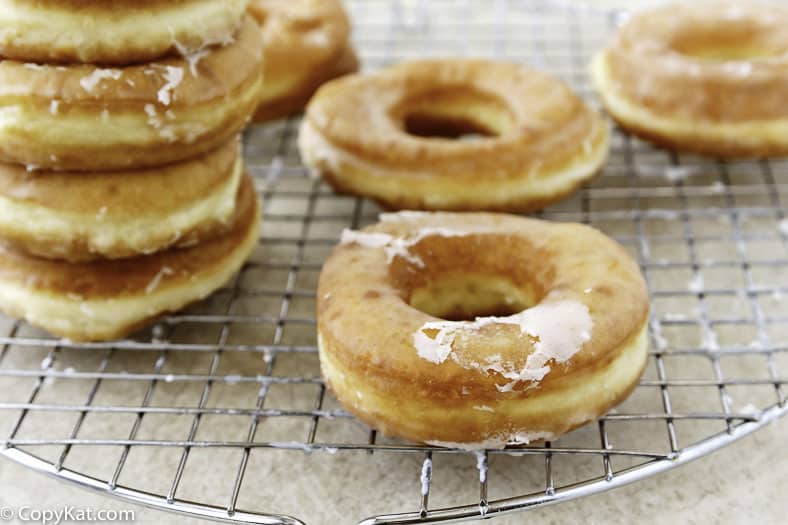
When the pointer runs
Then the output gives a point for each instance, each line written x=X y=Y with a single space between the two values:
x=239 y=373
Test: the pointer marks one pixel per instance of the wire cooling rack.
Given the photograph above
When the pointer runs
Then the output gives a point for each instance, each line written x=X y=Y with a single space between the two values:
x=222 y=408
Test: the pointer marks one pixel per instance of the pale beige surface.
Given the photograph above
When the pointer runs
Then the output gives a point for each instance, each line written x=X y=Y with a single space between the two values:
x=742 y=484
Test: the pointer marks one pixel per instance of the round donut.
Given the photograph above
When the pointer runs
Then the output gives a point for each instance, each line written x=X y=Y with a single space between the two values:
x=103 y=300
x=391 y=136
x=88 y=215
x=306 y=44
x=558 y=334
x=709 y=77
x=87 y=118
x=117 y=32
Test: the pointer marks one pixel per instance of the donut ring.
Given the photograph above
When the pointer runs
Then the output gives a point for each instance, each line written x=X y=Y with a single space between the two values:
x=545 y=141
x=83 y=216
x=103 y=300
x=118 y=32
x=87 y=118
x=306 y=44
x=576 y=349
x=708 y=78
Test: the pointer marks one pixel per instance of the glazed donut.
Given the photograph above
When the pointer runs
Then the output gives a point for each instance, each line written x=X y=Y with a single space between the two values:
x=385 y=136
x=117 y=32
x=87 y=215
x=88 y=118
x=306 y=44
x=568 y=342
x=103 y=300
x=708 y=77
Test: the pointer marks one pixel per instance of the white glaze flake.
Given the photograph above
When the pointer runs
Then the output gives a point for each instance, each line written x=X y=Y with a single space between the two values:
x=370 y=240
x=679 y=173
x=481 y=466
x=783 y=227
x=156 y=281
x=403 y=216
x=192 y=56
x=399 y=246
x=559 y=330
x=426 y=476
x=499 y=441
x=696 y=284
x=173 y=76
x=90 y=82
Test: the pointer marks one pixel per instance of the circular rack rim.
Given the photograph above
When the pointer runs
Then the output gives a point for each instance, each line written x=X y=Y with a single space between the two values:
x=447 y=515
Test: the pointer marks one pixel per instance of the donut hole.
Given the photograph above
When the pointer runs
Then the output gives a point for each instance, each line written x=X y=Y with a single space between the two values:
x=464 y=297
x=306 y=25
x=729 y=42
x=455 y=113
x=461 y=277
x=437 y=126
x=729 y=53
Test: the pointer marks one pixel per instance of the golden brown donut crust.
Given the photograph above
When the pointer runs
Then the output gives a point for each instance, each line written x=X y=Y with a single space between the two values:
x=295 y=101
x=306 y=44
x=82 y=289
x=172 y=205
x=367 y=326
x=120 y=32
x=545 y=141
x=710 y=77
x=84 y=118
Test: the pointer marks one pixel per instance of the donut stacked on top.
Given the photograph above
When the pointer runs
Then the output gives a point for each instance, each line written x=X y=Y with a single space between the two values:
x=122 y=189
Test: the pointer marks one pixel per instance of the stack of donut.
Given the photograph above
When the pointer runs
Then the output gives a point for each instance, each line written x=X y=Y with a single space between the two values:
x=122 y=189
